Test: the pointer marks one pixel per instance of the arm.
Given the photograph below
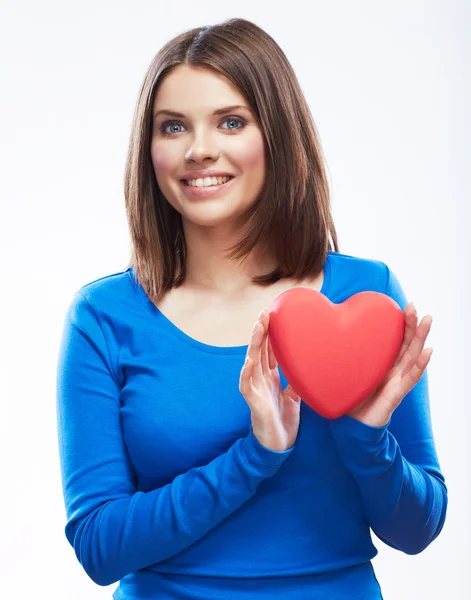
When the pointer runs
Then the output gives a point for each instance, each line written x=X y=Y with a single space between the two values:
x=113 y=528
x=396 y=466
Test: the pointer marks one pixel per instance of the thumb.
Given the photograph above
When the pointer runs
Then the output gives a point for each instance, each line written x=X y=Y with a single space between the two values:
x=289 y=392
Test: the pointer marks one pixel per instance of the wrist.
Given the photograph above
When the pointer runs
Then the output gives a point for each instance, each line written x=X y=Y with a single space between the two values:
x=374 y=418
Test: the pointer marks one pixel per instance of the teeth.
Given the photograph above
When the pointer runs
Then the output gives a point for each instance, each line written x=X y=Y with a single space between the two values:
x=207 y=181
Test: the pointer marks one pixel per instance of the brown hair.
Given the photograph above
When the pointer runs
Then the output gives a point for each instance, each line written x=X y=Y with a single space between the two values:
x=292 y=214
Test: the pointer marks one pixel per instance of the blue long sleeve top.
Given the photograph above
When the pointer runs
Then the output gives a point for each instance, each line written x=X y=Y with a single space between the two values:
x=169 y=494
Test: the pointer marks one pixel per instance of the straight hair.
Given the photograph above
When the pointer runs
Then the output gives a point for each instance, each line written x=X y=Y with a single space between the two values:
x=292 y=215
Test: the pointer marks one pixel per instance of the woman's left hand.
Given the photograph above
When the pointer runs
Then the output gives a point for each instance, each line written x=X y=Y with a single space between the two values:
x=408 y=368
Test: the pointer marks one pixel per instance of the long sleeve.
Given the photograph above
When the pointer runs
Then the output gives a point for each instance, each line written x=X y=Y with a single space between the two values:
x=396 y=466
x=114 y=528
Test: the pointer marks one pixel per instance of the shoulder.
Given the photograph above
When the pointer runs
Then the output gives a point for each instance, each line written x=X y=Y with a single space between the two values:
x=360 y=271
x=106 y=287
x=353 y=274
x=105 y=295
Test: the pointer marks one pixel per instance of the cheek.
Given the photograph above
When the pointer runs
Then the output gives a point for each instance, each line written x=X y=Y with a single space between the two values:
x=252 y=163
x=162 y=159
x=164 y=167
x=253 y=155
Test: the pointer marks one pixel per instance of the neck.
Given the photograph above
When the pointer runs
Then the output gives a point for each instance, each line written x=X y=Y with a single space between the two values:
x=209 y=269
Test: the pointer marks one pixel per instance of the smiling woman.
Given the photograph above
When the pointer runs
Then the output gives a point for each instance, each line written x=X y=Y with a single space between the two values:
x=191 y=468
x=231 y=117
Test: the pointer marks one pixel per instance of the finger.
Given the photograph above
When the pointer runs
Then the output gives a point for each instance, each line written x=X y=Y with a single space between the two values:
x=253 y=352
x=289 y=392
x=415 y=373
x=416 y=346
x=264 y=344
x=411 y=319
x=271 y=355
x=245 y=384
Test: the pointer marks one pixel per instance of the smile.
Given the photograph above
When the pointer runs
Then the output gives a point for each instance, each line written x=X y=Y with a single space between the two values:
x=205 y=191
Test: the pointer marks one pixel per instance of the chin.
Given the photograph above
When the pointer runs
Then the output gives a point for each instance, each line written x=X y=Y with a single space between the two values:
x=212 y=216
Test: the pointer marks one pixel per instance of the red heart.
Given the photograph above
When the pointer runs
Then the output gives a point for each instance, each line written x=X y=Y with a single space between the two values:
x=335 y=355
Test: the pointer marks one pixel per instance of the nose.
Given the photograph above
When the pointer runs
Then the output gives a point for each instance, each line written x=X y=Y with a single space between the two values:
x=202 y=147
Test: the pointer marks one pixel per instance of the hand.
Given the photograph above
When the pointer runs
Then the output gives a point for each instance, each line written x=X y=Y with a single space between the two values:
x=407 y=370
x=275 y=412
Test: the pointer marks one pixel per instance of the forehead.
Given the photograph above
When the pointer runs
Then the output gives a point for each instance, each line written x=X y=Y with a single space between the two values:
x=193 y=90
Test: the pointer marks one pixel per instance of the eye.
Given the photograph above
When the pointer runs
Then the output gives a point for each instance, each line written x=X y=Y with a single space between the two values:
x=163 y=127
x=234 y=120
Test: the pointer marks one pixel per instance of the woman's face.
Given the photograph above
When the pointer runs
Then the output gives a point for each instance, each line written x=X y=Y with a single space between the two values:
x=231 y=142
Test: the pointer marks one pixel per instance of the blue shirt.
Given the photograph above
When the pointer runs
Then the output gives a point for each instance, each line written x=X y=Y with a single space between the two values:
x=168 y=492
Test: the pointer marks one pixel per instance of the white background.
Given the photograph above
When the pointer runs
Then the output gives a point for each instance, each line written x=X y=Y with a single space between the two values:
x=388 y=85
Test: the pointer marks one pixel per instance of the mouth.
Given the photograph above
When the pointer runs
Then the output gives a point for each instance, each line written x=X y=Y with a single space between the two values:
x=186 y=182
x=205 y=191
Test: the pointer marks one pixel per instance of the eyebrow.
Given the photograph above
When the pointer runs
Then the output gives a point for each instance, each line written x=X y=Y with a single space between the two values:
x=219 y=111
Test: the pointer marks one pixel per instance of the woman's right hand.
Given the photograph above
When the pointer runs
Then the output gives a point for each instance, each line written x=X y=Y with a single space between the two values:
x=275 y=412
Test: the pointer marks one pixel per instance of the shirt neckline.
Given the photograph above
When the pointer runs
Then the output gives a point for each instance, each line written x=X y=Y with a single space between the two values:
x=172 y=328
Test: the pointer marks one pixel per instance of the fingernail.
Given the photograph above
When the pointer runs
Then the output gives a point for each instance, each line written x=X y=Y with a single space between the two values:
x=261 y=313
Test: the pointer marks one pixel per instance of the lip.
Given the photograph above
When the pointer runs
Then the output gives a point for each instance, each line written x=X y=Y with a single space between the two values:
x=206 y=173
x=205 y=192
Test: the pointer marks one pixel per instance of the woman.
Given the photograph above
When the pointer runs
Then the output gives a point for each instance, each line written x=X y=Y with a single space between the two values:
x=190 y=468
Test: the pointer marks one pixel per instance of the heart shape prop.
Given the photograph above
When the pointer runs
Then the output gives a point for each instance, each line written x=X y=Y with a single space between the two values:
x=335 y=355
